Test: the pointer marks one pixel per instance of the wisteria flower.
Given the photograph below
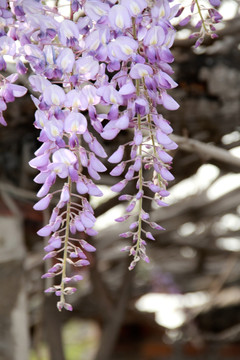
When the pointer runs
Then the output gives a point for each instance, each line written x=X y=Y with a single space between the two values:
x=119 y=17
x=103 y=69
x=75 y=123
x=63 y=161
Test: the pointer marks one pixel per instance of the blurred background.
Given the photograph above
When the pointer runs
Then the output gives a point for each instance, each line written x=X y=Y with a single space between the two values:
x=185 y=304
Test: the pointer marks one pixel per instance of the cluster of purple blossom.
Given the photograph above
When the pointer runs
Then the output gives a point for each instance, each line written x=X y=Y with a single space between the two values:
x=110 y=53
x=207 y=18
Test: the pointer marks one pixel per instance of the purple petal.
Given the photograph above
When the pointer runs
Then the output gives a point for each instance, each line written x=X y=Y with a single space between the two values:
x=97 y=148
x=65 y=195
x=165 y=173
x=75 y=123
x=215 y=2
x=117 y=156
x=161 y=203
x=110 y=134
x=168 y=102
x=65 y=60
x=131 y=206
x=82 y=262
x=165 y=157
x=149 y=236
x=162 y=138
x=119 y=17
x=91 y=232
x=95 y=9
x=96 y=164
x=135 y=7
x=39 y=161
x=87 y=222
x=67 y=307
x=127 y=89
x=126 y=234
x=81 y=187
x=18 y=90
x=45 y=231
x=119 y=186
x=93 y=173
x=156 y=226
x=123 y=122
x=68 y=30
x=154 y=188
x=133 y=225
x=118 y=170
x=137 y=164
x=54 y=95
x=43 y=203
x=56 y=242
x=125 y=197
x=155 y=36
x=138 y=137
x=94 y=190
x=64 y=156
x=164 y=193
x=122 y=218
x=140 y=70
x=49 y=256
x=79 y=224
x=86 y=246
x=87 y=67
x=186 y=20
x=130 y=173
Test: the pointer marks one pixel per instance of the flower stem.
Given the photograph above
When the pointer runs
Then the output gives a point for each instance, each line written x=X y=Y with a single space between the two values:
x=140 y=178
x=200 y=14
x=149 y=120
x=66 y=241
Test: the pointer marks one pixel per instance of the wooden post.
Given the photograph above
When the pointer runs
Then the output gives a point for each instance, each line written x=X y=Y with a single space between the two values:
x=14 y=338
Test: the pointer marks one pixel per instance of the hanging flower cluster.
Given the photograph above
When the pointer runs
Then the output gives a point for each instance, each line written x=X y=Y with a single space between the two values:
x=110 y=53
x=207 y=17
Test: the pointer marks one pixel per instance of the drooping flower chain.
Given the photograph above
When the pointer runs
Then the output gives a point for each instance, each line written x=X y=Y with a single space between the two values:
x=70 y=57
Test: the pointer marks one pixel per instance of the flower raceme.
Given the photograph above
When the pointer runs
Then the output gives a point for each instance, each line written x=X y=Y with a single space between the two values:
x=110 y=53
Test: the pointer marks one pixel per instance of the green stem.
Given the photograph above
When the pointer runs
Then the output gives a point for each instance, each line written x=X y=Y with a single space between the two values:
x=134 y=28
x=140 y=176
x=62 y=299
x=151 y=130
x=200 y=14
x=154 y=146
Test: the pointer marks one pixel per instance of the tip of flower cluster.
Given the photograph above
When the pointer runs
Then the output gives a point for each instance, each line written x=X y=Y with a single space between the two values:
x=63 y=305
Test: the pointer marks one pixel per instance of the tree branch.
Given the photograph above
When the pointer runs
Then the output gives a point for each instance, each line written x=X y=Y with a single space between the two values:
x=206 y=151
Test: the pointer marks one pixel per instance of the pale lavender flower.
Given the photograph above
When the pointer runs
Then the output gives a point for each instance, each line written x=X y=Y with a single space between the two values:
x=54 y=95
x=122 y=48
x=132 y=40
x=96 y=9
x=155 y=36
x=139 y=71
x=117 y=155
x=135 y=7
x=168 y=102
x=53 y=129
x=76 y=100
x=7 y=46
x=66 y=60
x=119 y=17
x=68 y=33
x=86 y=67
x=75 y=123
x=43 y=203
x=62 y=161
x=110 y=95
x=215 y=2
